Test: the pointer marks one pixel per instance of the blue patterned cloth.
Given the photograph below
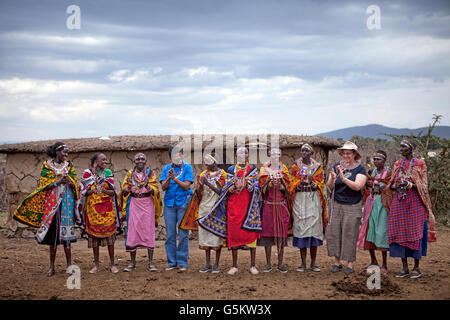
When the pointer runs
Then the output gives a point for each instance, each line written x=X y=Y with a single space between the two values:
x=216 y=221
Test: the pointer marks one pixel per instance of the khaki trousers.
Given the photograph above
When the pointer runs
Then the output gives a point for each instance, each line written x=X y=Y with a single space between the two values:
x=342 y=232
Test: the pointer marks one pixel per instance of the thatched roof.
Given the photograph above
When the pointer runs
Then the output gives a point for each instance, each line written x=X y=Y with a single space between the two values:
x=132 y=143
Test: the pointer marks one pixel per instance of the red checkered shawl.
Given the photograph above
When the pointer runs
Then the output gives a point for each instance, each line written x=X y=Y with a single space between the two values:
x=420 y=179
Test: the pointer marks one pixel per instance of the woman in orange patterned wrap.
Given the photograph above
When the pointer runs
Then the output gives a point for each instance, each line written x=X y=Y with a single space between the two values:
x=99 y=208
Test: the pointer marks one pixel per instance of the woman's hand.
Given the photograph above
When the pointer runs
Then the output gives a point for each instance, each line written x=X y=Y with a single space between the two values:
x=171 y=175
x=331 y=179
x=333 y=175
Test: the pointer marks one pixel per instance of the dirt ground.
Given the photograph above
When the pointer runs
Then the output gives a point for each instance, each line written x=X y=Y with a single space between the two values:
x=23 y=264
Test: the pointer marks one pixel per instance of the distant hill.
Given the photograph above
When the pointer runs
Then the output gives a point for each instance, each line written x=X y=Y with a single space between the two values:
x=376 y=131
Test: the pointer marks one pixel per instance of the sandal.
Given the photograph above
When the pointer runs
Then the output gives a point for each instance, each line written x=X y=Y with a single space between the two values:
x=130 y=268
x=151 y=267
x=114 y=269
x=402 y=274
x=93 y=270
x=282 y=269
x=267 y=268
x=315 y=268
x=301 y=269
x=336 y=268
x=50 y=272
x=205 y=269
x=215 y=269
x=415 y=273
x=348 y=270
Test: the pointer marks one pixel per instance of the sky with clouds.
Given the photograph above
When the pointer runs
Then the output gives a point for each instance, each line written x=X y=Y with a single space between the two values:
x=228 y=66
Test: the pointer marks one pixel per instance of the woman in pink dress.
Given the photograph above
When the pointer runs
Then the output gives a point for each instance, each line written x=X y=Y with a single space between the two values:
x=142 y=204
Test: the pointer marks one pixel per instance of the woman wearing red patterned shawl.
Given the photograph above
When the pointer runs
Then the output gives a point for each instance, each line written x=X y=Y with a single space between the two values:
x=51 y=206
x=99 y=208
x=274 y=183
x=408 y=228
x=238 y=203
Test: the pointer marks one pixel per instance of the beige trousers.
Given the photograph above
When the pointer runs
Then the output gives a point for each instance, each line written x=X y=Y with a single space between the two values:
x=342 y=232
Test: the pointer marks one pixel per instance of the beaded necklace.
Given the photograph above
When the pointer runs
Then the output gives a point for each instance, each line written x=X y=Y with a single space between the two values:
x=305 y=169
x=64 y=170
x=213 y=176
x=236 y=169
x=404 y=174
x=141 y=182
x=377 y=186
x=405 y=169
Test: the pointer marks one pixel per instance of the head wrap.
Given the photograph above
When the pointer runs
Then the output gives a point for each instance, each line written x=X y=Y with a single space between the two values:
x=241 y=150
x=209 y=159
x=275 y=151
x=308 y=147
x=408 y=144
x=139 y=155
x=379 y=155
x=63 y=146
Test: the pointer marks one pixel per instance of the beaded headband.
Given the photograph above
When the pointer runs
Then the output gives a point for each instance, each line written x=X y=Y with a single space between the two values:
x=308 y=147
x=241 y=150
x=275 y=151
x=61 y=147
x=140 y=155
x=209 y=159
x=378 y=155
x=407 y=144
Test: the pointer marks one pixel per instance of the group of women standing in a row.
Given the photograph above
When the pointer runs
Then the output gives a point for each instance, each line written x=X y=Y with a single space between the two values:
x=240 y=208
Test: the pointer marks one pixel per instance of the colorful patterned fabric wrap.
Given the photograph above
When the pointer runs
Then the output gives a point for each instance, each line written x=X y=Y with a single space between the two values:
x=414 y=170
x=151 y=182
x=375 y=214
x=276 y=212
x=100 y=213
x=189 y=221
x=216 y=221
x=406 y=220
x=297 y=177
x=32 y=208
